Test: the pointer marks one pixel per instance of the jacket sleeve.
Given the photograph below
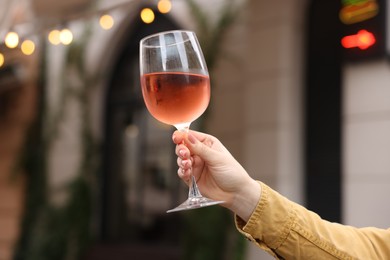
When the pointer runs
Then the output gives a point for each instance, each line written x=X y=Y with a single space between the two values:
x=287 y=230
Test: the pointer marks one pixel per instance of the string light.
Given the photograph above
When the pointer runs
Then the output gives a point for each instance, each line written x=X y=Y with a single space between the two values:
x=28 y=47
x=54 y=37
x=147 y=15
x=106 y=22
x=1 y=59
x=12 y=40
x=66 y=36
x=164 y=6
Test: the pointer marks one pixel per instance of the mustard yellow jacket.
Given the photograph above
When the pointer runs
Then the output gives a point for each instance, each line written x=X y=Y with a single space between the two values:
x=287 y=230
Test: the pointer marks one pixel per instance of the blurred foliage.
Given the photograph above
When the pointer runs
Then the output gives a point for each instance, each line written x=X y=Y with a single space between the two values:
x=210 y=233
x=49 y=231
x=211 y=33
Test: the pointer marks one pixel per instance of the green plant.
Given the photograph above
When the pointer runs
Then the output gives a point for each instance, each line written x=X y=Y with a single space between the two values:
x=50 y=231
x=211 y=33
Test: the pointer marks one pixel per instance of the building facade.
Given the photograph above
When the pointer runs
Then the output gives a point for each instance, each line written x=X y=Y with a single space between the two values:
x=257 y=110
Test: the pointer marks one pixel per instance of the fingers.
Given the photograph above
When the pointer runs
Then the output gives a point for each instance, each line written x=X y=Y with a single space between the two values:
x=182 y=151
x=185 y=164
x=192 y=139
x=198 y=135
x=201 y=145
x=185 y=169
x=184 y=160
x=180 y=137
x=184 y=175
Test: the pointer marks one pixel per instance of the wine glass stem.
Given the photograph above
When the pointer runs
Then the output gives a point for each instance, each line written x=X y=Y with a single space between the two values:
x=183 y=127
x=194 y=191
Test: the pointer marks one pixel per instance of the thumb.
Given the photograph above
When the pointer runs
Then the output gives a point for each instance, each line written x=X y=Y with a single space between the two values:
x=200 y=148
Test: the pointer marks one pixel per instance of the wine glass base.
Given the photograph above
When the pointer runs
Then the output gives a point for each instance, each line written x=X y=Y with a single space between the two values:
x=195 y=203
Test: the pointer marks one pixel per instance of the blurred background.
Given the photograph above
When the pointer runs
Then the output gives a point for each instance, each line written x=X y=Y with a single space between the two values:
x=300 y=96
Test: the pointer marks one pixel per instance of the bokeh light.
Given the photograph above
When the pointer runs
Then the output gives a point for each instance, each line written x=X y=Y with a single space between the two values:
x=106 y=22
x=66 y=36
x=12 y=40
x=28 y=47
x=1 y=59
x=164 y=6
x=147 y=15
x=54 y=37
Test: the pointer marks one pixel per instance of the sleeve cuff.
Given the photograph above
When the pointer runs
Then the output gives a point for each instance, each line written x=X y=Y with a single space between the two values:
x=247 y=228
x=270 y=222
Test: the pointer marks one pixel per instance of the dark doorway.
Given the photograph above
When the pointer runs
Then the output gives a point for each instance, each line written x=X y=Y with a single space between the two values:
x=139 y=181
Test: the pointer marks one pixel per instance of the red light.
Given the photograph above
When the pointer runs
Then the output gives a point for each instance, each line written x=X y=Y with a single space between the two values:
x=363 y=40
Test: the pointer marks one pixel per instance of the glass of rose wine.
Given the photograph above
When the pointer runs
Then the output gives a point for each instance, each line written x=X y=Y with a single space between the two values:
x=176 y=89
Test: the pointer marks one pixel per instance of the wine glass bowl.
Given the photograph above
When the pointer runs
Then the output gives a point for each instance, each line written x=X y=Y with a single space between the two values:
x=176 y=98
x=176 y=88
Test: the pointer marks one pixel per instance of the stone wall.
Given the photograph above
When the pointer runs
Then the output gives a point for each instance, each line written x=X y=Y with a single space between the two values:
x=257 y=96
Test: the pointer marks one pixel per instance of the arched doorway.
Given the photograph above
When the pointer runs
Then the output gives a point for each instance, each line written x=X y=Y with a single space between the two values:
x=139 y=181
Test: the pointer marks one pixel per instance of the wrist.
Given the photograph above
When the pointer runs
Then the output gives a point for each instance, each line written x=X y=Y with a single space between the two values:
x=246 y=200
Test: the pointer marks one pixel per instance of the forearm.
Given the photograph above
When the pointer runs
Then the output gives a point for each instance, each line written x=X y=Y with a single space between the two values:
x=284 y=228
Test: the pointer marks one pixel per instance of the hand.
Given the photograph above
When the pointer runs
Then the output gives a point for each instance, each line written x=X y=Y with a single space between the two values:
x=219 y=176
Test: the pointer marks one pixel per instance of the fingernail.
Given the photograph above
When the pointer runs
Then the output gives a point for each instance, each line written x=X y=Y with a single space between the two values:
x=192 y=138
x=182 y=153
x=184 y=164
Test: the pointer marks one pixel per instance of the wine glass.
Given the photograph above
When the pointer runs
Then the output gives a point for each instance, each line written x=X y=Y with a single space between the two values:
x=176 y=88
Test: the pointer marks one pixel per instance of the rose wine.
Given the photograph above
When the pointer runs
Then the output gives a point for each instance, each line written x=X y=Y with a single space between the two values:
x=175 y=97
